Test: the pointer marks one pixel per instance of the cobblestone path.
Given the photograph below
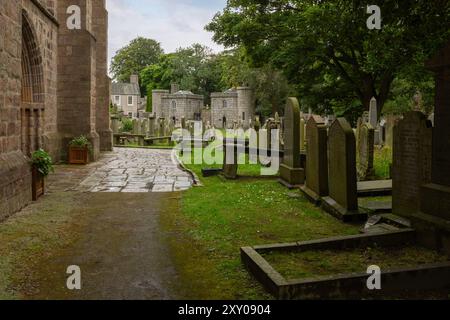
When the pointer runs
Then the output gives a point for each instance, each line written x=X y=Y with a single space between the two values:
x=137 y=171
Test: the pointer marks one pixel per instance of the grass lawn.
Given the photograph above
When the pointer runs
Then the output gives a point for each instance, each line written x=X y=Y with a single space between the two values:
x=381 y=162
x=219 y=218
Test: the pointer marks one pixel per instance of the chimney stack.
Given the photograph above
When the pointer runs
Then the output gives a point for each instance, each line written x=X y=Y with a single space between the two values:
x=134 y=78
x=174 y=88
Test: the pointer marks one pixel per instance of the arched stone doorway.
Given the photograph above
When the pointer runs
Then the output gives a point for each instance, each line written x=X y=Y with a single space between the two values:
x=32 y=110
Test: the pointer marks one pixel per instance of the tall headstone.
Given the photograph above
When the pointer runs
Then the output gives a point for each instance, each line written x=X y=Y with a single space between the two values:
x=373 y=113
x=412 y=162
x=302 y=135
x=342 y=201
x=316 y=185
x=365 y=152
x=291 y=172
x=151 y=126
x=435 y=204
x=230 y=160
x=136 y=126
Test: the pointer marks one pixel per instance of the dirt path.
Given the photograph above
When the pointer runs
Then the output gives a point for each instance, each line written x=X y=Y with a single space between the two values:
x=121 y=251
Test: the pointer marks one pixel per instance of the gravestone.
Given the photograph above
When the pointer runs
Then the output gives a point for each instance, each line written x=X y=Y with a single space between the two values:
x=435 y=196
x=115 y=124
x=302 y=135
x=136 y=126
x=365 y=152
x=391 y=121
x=316 y=185
x=230 y=160
x=411 y=162
x=291 y=172
x=144 y=126
x=257 y=124
x=342 y=201
x=183 y=123
x=151 y=127
x=373 y=113
x=161 y=127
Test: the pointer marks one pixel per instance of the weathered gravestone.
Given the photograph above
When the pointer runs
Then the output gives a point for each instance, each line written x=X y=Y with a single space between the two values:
x=316 y=185
x=291 y=172
x=151 y=127
x=136 y=126
x=365 y=152
x=183 y=123
x=373 y=113
x=230 y=160
x=411 y=162
x=115 y=124
x=435 y=196
x=342 y=201
x=257 y=125
x=302 y=134
x=144 y=126
x=162 y=124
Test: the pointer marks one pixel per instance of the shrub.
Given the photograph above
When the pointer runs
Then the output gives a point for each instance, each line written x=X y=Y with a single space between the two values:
x=42 y=161
x=127 y=125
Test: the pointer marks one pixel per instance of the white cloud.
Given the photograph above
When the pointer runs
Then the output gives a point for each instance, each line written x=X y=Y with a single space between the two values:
x=173 y=23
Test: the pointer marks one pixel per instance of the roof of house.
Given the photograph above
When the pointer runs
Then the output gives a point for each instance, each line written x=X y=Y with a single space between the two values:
x=125 y=89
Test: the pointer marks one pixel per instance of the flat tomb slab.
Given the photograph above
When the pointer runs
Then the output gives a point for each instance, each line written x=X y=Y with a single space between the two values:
x=351 y=265
x=336 y=267
x=374 y=188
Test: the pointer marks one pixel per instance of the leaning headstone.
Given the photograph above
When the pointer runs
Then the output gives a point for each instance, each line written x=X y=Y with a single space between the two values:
x=316 y=185
x=365 y=152
x=342 y=201
x=291 y=172
x=411 y=162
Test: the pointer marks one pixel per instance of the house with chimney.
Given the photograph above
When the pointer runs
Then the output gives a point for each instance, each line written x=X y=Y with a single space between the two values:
x=127 y=97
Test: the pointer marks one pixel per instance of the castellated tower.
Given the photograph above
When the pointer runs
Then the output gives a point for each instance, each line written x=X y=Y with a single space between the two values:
x=245 y=105
x=157 y=102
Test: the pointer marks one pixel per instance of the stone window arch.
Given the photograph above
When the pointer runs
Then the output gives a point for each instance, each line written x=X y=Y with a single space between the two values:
x=32 y=95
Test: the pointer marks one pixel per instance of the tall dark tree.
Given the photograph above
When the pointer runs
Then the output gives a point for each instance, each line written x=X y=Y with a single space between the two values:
x=322 y=43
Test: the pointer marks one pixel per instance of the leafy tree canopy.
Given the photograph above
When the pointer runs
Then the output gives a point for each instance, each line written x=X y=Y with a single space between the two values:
x=134 y=57
x=326 y=49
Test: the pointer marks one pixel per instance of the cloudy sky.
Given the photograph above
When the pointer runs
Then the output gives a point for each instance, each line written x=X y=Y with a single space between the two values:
x=173 y=23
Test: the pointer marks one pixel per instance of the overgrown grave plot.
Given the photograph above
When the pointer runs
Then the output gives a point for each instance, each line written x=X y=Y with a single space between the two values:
x=337 y=267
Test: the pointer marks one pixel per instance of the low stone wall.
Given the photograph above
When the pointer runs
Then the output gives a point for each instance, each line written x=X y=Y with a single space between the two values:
x=15 y=185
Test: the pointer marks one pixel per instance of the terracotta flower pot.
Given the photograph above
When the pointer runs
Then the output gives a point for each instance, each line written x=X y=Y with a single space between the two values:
x=38 y=184
x=78 y=155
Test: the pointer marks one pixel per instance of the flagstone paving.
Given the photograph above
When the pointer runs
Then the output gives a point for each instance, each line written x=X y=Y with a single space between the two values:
x=137 y=171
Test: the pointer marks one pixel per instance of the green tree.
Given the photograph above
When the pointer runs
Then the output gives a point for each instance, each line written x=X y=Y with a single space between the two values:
x=319 y=44
x=134 y=57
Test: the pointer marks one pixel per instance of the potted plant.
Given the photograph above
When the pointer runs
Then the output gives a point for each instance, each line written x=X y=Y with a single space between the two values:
x=79 y=149
x=42 y=165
